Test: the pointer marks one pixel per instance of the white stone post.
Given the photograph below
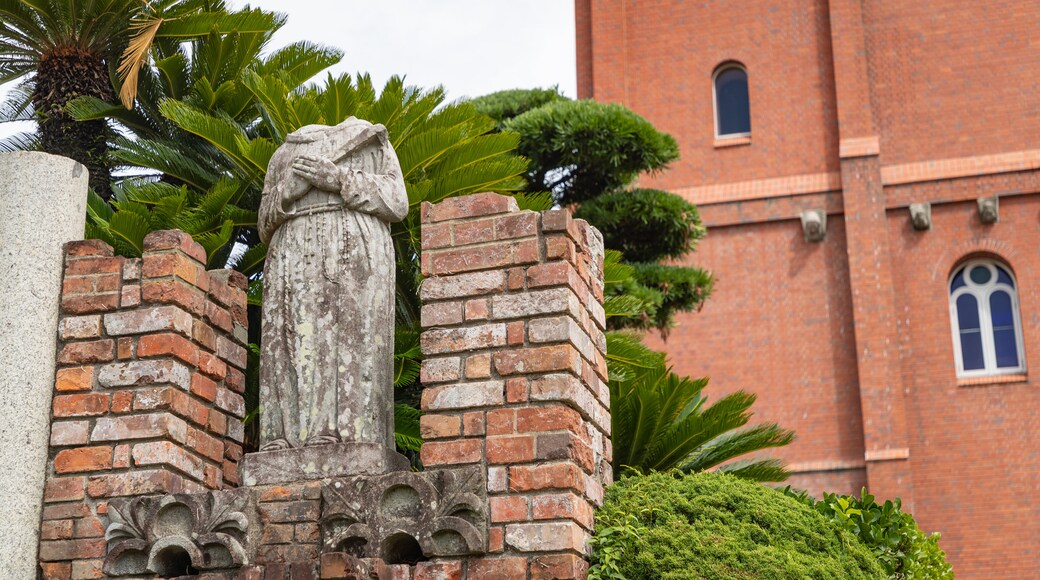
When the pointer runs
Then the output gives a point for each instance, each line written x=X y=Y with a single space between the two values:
x=42 y=206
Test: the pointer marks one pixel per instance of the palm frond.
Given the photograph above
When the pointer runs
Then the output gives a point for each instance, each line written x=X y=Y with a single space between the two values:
x=18 y=106
x=23 y=141
x=762 y=471
x=540 y=201
x=406 y=427
x=251 y=261
x=623 y=305
x=213 y=241
x=135 y=56
x=733 y=444
x=131 y=228
x=298 y=62
x=407 y=356
x=627 y=356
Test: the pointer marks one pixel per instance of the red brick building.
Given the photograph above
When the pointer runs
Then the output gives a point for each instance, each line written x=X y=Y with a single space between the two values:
x=899 y=368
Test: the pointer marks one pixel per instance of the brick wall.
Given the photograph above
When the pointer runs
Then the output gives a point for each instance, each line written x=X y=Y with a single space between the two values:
x=515 y=375
x=953 y=78
x=147 y=395
x=779 y=325
x=973 y=446
x=658 y=57
x=860 y=109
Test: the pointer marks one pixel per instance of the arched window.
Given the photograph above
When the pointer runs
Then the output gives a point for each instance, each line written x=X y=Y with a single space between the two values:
x=732 y=107
x=987 y=330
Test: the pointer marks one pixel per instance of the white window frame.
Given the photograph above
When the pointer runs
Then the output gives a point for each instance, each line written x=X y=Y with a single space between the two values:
x=982 y=293
x=715 y=98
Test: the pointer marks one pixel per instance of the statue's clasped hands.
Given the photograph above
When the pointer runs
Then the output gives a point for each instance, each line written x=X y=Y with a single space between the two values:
x=318 y=171
x=323 y=174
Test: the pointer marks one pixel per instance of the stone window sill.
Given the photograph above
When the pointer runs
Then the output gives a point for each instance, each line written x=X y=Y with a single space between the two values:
x=732 y=141
x=992 y=380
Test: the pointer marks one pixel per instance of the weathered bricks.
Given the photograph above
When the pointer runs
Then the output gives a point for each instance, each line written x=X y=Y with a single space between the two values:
x=513 y=338
x=144 y=400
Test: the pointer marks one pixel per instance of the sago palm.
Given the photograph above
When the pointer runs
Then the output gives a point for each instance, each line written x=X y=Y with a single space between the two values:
x=64 y=49
x=140 y=207
x=204 y=73
x=445 y=150
x=661 y=420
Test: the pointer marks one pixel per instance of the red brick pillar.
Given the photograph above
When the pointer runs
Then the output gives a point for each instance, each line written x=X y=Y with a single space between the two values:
x=148 y=392
x=882 y=397
x=515 y=375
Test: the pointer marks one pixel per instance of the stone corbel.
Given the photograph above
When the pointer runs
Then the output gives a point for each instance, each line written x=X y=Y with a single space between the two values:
x=167 y=535
x=989 y=209
x=814 y=225
x=921 y=216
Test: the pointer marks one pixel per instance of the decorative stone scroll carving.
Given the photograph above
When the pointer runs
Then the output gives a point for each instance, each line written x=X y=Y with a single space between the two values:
x=921 y=216
x=175 y=535
x=814 y=225
x=989 y=209
x=405 y=517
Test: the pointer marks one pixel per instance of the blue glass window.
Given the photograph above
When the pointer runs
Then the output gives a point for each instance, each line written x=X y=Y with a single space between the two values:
x=732 y=105
x=1004 y=278
x=1005 y=343
x=971 y=332
x=958 y=280
x=987 y=331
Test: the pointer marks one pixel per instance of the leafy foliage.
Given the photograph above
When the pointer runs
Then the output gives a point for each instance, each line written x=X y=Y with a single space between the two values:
x=661 y=421
x=672 y=289
x=902 y=549
x=583 y=149
x=181 y=20
x=210 y=114
x=715 y=526
x=504 y=105
x=33 y=31
x=610 y=545
x=138 y=208
x=646 y=225
x=68 y=49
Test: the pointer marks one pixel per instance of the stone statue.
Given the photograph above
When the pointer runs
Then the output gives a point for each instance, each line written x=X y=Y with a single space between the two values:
x=326 y=372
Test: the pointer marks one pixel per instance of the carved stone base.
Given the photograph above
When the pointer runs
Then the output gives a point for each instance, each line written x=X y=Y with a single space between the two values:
x=319 y=462
x=405 y=517
x=372 y=521
x=174 y=534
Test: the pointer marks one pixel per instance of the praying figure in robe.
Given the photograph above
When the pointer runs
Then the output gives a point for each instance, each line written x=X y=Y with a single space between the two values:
x=327 y=338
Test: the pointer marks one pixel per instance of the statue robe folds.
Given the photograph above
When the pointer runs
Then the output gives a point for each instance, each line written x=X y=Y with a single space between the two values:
x=326 y=372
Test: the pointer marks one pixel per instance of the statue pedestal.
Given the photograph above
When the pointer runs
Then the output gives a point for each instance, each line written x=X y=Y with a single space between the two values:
x=319 y=462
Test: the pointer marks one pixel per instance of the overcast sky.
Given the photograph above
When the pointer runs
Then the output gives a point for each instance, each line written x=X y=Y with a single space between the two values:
x=471 y=47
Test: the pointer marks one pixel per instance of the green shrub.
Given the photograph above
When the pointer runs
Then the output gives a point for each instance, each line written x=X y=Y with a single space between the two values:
x=716 y=526
x=905 y=552
x=646 y=225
